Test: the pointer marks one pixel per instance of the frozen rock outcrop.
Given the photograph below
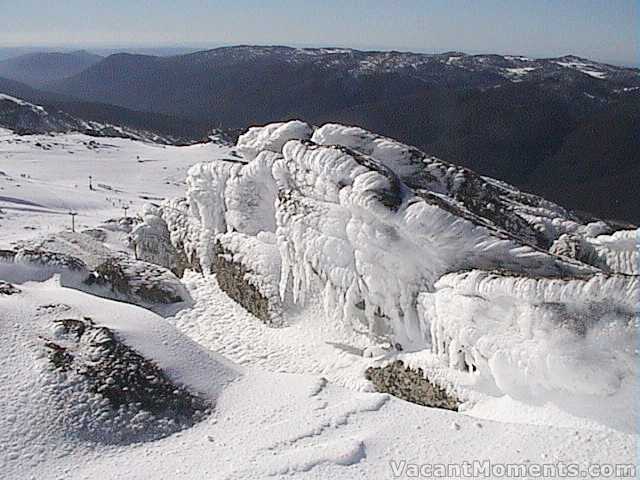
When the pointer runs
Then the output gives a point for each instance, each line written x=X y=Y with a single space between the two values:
x=348 y=219
x=38 y=264
x=138 y=282
x=411 y=385
x=129 y=397
x=80 y=371
x=151 y=242
x=83 y=263
x=536 y=336
x=616 y=253
x=248 y=270
x=271 y=137
x=484 y=200
x=420 y=254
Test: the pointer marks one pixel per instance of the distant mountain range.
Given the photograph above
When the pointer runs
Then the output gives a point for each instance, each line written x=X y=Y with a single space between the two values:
x=564 y=127
x=239 y=86
x=38 y=69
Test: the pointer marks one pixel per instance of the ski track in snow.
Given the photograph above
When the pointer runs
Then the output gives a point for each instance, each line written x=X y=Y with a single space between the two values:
x=38 y=188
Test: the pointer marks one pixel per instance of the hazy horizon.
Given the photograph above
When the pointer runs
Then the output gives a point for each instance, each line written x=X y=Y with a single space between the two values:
x=591 y=28
x=177 y=49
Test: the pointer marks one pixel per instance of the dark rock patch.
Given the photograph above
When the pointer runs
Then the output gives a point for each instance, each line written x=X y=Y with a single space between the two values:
x=8 y=289
x=410 y=385
x=7 y=255
x=231 y=278
x=139 y=400
x=138 y=282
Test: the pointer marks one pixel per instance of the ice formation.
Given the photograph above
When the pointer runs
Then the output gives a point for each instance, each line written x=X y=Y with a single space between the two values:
x=151 y=239
x=271 y=137
x=420 y=253
x=617 y=252
x=535 y=335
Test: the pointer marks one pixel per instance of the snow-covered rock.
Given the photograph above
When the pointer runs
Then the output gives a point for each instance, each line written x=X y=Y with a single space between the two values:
x=83 y=263
x=79 y=370
x=248 y=270
x=271 y=137
x=617 y=252
x=483 y=200
x=376 y=221
x=184 y=231
x=386 y=236
x=36 y=264
x=138 y=282
x=251 y=195
x=151 y=241
x=537 y=337
x=349 y=219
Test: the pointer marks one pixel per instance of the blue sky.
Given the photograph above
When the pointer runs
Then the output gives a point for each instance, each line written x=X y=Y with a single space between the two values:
x=603 y=30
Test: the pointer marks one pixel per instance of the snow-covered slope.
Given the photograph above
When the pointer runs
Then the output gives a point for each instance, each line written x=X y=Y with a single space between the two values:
x=262 y=425
x=366 y=251
x=44 y=177
x=24 y=117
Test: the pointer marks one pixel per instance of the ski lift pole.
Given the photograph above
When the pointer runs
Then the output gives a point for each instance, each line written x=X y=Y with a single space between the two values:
x=73 y=221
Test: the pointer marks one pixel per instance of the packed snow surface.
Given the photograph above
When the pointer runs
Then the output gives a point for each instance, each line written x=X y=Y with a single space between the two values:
x=44 y=177
x=263 y=424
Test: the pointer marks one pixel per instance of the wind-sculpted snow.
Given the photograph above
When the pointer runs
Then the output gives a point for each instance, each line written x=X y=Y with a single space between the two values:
x=375 y=243
x=233 y=196
x=379 y=231
x=616 y=253
x=484 y=200
x=151 y=240
x=205 y=191
x=271 y=137
x=250 y=196
x=538 y=338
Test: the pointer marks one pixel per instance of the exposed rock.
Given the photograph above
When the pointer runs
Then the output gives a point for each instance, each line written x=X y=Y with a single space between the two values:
x=141 y=402
x=410 y=385
x=7 y=255
x=8 y=289
x=98 y=234
x=232 y=278
x=138 y=282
